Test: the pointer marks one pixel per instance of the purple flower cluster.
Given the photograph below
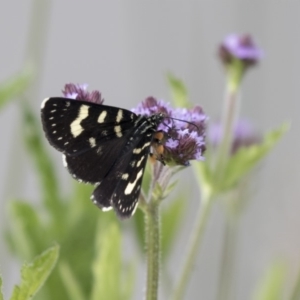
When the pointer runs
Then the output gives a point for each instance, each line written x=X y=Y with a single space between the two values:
x=239 y=47
x=79 y=92
x=184 y=130
x=243 y=135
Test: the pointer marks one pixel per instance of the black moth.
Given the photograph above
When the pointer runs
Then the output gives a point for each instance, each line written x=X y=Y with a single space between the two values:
x=102 y=145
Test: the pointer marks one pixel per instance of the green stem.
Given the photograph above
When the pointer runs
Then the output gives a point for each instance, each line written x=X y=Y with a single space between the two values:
x=193 y=248
x=153 y=249
x=229 y=116
x=227 y=124
x=228 y=261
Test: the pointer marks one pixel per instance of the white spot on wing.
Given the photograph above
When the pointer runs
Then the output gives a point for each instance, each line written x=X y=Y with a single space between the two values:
x=140 y=161
x=130 y=186
x=44 y=102
x=75 y=126
x=106 y=208
x=119 y=116
x=102 y=116
x=125 y=176
x=92 y=142
x=118 y=131
x=139 y=150
x=134 y=209
x=64 y=161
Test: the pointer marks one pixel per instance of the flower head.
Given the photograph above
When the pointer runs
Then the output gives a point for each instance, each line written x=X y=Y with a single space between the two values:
x=243 y=135
x=184 y=130
x=79 y=92
x=239 y=47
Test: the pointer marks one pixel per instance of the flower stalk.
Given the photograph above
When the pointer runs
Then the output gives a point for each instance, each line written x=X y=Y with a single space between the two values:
x=229 y=117
x=153 y=249
x=237 y=53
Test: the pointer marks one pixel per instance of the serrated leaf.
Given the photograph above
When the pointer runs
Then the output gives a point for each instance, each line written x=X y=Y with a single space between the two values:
x=1 y=294
x=14 y=86
x=35 y=274
x=107 y=263
x=171 y=219
x=271 y=287
x=179 y=93
x=246 y=158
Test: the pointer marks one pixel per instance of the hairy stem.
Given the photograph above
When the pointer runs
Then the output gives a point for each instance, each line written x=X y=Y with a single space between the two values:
x=153 y=249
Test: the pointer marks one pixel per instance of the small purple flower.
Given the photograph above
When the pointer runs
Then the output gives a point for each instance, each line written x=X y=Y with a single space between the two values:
x=239 y=47
x=243 y=135
x=184 y=130
x=79 y=92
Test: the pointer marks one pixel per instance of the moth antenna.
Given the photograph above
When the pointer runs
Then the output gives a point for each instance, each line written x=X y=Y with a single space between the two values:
x=183 y=121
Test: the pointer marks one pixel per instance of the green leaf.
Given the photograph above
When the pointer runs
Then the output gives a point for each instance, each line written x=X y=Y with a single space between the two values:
x=128 y=281
x=70 y=282
x=44 y=165
x=1 y=295
x=171 y=218
x=271 y=287
x=77 y=206
x=24 y=235
x=179 y=93
x=107 y=266
x=14 y=86
x=204 y=176
x=248 y=157
x=35 y=274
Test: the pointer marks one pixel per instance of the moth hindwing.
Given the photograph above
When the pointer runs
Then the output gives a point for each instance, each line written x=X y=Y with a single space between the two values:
x=103 y=145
